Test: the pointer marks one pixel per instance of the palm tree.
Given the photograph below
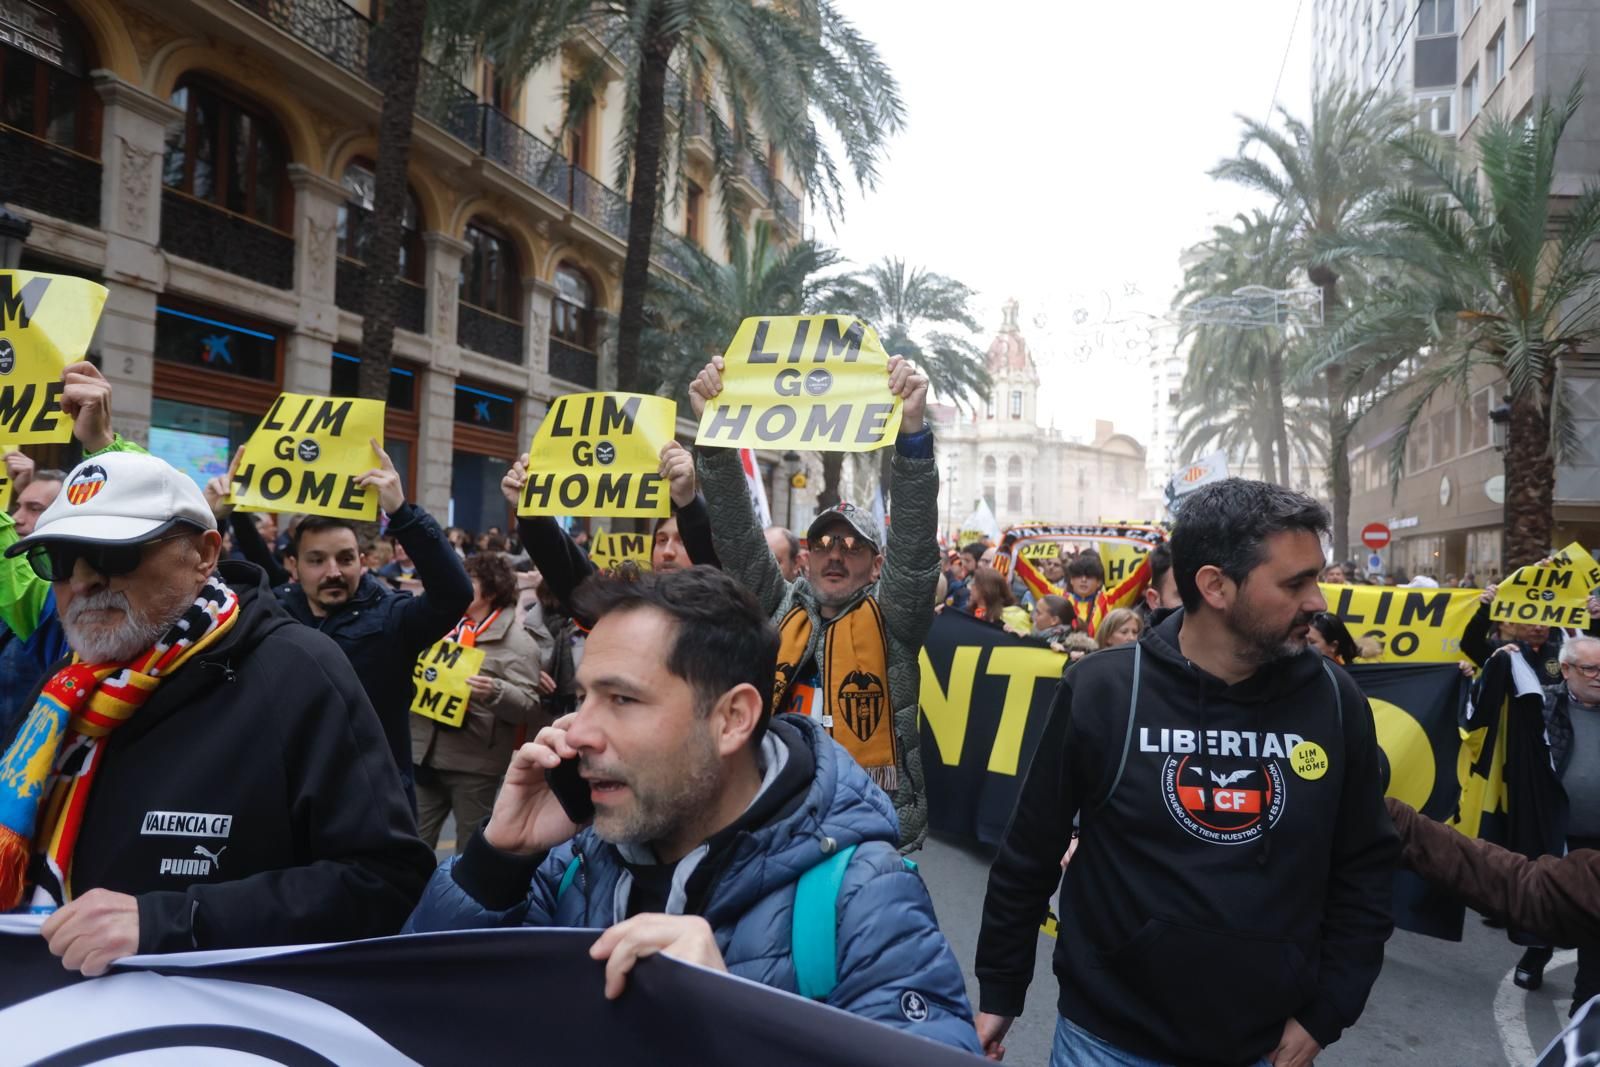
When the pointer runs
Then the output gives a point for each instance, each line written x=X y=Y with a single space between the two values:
x=1490 y=279
x=921 y=315
x=1327 y=176
x=1233 y=415
x=761 y=75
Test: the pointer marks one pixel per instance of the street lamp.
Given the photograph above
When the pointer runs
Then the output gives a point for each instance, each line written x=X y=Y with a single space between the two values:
x=14 y=231
x=791 y=467
x=1500 y=424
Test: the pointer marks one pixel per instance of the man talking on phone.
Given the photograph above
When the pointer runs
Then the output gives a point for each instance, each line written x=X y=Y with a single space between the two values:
x=705 y=815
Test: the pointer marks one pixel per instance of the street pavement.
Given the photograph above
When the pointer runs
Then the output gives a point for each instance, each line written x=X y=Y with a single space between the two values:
x=1436 y=1003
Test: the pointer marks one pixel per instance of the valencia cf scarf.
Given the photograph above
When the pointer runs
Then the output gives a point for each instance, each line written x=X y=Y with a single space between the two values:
x=853 y=671
x=47 y=773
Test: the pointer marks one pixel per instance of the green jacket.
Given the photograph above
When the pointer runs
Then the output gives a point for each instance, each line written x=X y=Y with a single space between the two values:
x=23 y=593
x=904 y=591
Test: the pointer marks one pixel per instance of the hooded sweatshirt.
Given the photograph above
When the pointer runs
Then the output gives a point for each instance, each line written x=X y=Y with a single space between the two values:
x=1234 y=864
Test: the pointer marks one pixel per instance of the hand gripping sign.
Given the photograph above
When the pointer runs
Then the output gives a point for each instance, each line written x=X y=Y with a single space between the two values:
x=813 y=382
x=1553 y=595
x=46 y=321
x=306 y=455
x=599 y=454
x=440 y=681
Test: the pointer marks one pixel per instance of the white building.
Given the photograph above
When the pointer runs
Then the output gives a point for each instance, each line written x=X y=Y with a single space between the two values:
x=1404 y=46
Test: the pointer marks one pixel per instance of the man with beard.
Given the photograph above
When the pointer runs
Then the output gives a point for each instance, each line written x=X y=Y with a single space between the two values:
x=852 y=626
x=1230 y=895
x=381 y=631
x=203 y=773
x=707 y=812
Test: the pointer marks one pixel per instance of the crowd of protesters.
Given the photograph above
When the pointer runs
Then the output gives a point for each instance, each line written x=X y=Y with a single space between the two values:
x=661 y=753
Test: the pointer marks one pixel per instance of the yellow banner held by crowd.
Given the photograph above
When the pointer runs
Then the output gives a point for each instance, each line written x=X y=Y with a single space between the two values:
x=46 y=322
x=306 y=455
x=1554 y=595
x=1412 y=625
x=599 y=454
x=607 y=550
x=813 y=382
x=440 y=680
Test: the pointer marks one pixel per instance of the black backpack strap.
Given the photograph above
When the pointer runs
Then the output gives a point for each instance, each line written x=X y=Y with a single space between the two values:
x=1127 y=739
x=1338 y=698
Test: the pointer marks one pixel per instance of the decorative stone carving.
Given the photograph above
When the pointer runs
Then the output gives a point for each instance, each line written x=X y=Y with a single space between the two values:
x=318 y=252
x=138 y=165
x=444 y=295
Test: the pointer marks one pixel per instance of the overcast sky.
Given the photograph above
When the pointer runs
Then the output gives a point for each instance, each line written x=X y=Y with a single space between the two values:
x=1056 y=152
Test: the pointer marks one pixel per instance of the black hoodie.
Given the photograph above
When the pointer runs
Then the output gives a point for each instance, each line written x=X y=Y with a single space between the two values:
x=1235 y=862
x=252 y=800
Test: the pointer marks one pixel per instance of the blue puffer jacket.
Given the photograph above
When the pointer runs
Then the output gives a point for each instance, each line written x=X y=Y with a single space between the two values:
x=892 y=958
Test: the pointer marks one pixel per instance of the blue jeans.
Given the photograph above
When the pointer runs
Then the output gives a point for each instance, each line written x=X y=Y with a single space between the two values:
x=1076 y=1047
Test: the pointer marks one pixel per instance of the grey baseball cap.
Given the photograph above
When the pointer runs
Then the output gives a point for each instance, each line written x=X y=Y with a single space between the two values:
x=858 y=519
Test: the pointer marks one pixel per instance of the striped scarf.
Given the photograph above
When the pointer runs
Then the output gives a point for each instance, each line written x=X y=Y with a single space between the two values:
x=47 y=773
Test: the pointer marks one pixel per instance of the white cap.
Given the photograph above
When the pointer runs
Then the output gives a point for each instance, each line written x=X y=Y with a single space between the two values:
x=120 y=498
x=1422 y=581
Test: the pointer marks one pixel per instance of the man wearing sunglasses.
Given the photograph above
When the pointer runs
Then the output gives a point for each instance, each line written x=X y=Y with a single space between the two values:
x=851 y=626
x=203 y=772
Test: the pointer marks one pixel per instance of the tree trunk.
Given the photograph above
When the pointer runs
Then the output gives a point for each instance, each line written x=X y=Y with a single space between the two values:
x=1280 y=426
x=1530 y=481
x=1338 y=463
x=832 y=466
x=649 y=138
x=398 y=63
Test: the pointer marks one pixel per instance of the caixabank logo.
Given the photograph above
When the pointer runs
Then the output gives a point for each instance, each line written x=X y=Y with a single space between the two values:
x=1225 y=801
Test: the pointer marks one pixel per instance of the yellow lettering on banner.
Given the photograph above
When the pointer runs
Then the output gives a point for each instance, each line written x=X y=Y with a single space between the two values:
x=599 y=454
x=1022 y=667
x=306 y=455
x=46 y=321
x=946 y=709
x=606 y=550
x=440 y=681
x=1413 y=625
x=813 y=382
x=1554 y=595
x=1406 y=746
x=1038 y=551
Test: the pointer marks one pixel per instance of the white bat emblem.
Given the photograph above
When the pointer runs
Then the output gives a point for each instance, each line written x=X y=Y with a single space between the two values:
x=1225 y=780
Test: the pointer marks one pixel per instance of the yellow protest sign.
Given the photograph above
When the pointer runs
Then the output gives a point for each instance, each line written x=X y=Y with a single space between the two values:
x=5 y=480
x=306 y=455
x=1554 y=595
x=814 y=382
x=1412 y=625
x=598 y=454
x=607 y=550
x=46 y=321
x=440 y=681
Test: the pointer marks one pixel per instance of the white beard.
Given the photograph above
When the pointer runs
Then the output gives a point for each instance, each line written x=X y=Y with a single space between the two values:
x=110 y=644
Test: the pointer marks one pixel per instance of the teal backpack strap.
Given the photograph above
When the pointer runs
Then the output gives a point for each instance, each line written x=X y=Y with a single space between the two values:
x=814 y=938
x=569 y=876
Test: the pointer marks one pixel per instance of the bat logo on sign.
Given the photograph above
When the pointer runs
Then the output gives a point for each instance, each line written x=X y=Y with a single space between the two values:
x=605 y=453
x=308 y=450
x=818 y=382
x=8 y=357
x=430 y=674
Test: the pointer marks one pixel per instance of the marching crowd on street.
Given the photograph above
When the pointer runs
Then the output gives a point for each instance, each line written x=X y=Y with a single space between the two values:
x=207 y=738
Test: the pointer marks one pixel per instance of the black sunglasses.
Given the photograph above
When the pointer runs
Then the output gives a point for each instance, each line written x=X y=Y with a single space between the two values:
x=54 y=561
x=848 y=543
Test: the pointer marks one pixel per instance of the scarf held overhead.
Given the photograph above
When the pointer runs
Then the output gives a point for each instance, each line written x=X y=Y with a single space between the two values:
x=49 y=769
x=853 y=673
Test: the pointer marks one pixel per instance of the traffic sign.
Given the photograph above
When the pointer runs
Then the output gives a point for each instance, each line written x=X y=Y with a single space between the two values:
x=1374 y=564
x=1375 y=535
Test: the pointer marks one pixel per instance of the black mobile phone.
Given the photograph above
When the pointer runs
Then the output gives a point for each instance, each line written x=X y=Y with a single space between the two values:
x=572 y=791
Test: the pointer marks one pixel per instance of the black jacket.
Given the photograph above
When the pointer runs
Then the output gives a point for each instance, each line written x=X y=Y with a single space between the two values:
x=1214 y=895
x=382 y=632
x=250 y=802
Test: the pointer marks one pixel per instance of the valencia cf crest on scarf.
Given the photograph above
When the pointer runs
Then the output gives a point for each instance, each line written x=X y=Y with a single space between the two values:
x=861 y=701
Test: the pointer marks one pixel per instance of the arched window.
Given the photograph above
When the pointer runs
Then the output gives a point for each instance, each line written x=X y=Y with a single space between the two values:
x=1014 y=483
x=490 y=277
x=361 y=183
x=229 y=152
x=572 y=316
x=1016 y=403
x=990 y=477
x=50 y=97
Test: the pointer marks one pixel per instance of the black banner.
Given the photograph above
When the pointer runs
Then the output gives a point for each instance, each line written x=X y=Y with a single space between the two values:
x=489 y=996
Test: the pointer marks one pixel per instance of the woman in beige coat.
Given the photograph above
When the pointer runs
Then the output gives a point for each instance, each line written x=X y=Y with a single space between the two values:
x=458 y=768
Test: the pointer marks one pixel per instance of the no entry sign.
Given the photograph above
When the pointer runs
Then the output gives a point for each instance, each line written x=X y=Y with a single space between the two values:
x=1375 y=535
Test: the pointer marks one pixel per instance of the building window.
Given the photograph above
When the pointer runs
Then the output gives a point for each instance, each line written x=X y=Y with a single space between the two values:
x=227 y=152
x=1444 y=436
x=362 y=184
x=1475 y=428
x=991 y=476
x=572 y=313
x=1495 y=60
x=1469 y=96
x=490 y=279
x=1417 y=447
x=1436 y=18
x=45 y=93
x=1437 y=114
x=579 y=137
x=693 y=204
x=213 y=340
x=1016 y=403
x=990 y=405
x=1522 y=18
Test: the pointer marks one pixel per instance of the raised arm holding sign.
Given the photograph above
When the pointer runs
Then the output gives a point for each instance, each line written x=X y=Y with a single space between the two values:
x=1553 y=592
x=316 y=455
x=46 y=323
x=599 y=454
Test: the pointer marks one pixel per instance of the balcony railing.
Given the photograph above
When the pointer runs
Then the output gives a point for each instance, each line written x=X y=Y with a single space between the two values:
x=782 y=199
x=572 y=364
x=331 y=28
x=493 y=335
x=208 y=234
x=544 y=168
x=52 y=180
x=350 y=293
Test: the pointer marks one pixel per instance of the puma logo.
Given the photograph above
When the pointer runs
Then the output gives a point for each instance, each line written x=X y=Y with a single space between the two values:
x=214 y=857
